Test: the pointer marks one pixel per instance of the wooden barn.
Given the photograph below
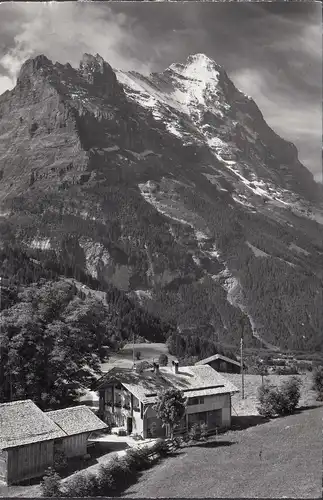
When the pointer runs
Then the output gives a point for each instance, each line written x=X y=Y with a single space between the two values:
x=77 y=423
x=29 y=437
x=221 y=364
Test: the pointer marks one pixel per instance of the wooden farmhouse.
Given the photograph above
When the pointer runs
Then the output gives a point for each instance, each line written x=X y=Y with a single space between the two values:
x=29 y=437
x=221 y=364
x=127 y=398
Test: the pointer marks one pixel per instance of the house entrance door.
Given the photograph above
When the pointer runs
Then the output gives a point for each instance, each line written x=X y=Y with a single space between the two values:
x=129 y=425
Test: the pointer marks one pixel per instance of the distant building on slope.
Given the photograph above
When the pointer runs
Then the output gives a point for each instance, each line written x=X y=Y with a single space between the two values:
x=29 y=437
x=221 y=364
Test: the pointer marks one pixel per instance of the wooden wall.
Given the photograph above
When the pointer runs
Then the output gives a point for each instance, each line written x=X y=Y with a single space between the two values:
x=75 y=446
x=26 y=462
x=3 y=465
x=223 y=366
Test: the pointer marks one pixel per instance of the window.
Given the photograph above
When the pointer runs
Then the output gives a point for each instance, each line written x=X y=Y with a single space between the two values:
x=141 y=410
x=196 y=401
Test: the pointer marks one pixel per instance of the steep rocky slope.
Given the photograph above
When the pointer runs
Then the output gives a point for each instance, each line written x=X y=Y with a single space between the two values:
x=171 y=187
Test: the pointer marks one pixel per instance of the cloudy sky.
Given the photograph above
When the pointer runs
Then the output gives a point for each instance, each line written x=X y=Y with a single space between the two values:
x=271 y=51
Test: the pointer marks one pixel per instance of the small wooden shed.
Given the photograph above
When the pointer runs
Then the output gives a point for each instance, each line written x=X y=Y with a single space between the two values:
x=77 y=423
x=221 y=364
x=27 y=438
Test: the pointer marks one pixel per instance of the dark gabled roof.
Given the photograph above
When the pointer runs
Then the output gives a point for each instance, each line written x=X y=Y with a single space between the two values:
x=22 y=422
x=215 y=357
x=76 y=420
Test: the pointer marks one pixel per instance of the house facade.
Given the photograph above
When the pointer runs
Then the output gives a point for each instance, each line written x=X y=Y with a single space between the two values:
x=221 y=364
x=30 y=437
x=127 y=398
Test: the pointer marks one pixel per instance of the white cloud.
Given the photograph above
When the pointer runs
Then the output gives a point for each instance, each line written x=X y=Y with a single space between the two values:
x=63 y=32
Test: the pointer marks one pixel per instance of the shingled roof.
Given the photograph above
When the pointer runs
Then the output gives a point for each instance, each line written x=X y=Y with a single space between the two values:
x=76 y=420
x=22 y=422
x=194 y=381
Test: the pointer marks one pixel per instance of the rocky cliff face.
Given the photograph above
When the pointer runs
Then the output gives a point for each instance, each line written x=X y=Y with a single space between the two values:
x=173 y=188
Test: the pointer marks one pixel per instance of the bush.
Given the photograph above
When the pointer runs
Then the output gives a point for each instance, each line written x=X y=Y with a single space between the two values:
x=161 y=448
x=317 y=379
x=124 y=472
x=286 y=370
x=60 y=460
x=204 y=432
x=291 y=393
x=268 y=398
x=281 y=400
x=80 y=485
x=195 y=432
x=138 y=458
x=50 y=485
x=105 y=483
x=163 y=359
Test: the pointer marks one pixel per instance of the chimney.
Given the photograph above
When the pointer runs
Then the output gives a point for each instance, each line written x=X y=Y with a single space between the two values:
x=175 y=366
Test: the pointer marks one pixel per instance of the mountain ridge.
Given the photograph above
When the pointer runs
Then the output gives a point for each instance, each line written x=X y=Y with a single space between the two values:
x=173 y=190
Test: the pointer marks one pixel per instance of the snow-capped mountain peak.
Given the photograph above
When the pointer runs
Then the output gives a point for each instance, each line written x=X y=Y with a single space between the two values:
x=170 y=186
x=198 y=67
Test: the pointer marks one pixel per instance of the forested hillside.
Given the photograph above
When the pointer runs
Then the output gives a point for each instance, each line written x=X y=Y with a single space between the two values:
x=169 y=194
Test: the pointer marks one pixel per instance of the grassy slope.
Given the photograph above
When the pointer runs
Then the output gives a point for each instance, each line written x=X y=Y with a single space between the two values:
x=290 y=464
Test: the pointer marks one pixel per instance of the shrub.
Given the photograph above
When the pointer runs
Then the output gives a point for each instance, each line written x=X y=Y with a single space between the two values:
x=60 y=460
x=317 y=379
x=268 y=398
x=281 y=400
x=204 y=432
x=105 y=483
x=124 y=471
x=291 y=393
x=80 y=485
x=163 y=359
x=161 y=448
x=195 y=432
x=286 y=370
x=138 y=458
x=50 y=485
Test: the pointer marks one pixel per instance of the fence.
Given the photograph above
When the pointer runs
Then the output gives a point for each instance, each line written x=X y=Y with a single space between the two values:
x=184 y=433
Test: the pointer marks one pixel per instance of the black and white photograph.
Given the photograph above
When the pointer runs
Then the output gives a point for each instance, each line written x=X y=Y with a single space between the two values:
x=161 y=249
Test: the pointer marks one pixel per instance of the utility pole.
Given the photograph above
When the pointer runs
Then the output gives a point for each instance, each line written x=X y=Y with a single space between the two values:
x=242 y=322
x=242 y=374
